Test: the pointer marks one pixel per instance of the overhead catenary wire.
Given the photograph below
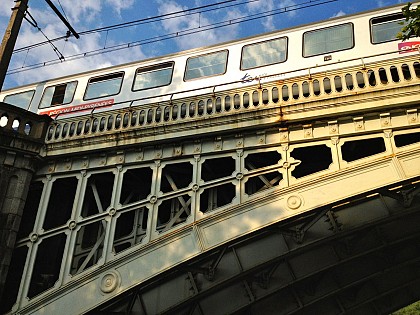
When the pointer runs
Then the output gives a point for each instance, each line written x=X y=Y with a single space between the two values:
x=158 y=18
x=68 y=33
x=62 y=9
x=172 y=15
x=63 y=19
x=33 y=22
x=185 y=32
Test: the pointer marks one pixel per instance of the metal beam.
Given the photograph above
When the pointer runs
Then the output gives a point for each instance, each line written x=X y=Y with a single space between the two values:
x=62 y=18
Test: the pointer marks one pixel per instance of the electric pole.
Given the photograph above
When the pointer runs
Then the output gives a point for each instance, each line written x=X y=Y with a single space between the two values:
x=10 y=36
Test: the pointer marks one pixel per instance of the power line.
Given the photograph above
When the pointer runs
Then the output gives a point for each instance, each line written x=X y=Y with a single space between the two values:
x=158 y=18
x=62 y=18
x=35 y=24
x=171 y=15
x=185 y=32
x=62 y=9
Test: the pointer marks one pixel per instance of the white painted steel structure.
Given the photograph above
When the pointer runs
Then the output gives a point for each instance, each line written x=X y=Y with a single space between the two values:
x=131 y=194
x=136 y=210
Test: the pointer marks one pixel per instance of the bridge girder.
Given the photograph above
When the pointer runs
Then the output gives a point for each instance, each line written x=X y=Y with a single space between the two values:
x=368 y=265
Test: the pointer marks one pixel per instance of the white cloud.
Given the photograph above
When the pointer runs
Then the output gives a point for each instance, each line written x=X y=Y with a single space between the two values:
x=89 y=14
x=119 y=5
x=6 y=10
x=69 y=48
x=265 y=6
x=194 y=21
x=382 y=3
x=79 y=14
x=81 y=11
x=339 y=13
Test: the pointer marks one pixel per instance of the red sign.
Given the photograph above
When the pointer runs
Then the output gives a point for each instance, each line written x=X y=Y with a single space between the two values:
x=408 y=47
x=77 y=108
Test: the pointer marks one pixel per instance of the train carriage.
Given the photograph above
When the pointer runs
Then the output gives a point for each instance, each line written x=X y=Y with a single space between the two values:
x=279 y=55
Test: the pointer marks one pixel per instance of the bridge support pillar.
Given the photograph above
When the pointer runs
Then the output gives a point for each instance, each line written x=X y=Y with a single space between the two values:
x=15 y=176
x=22 y=137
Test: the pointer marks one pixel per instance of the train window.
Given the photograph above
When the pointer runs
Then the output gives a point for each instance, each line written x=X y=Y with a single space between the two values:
x=154 y=76
x=206 y=65
x=21 y=100
x=328 y=40
x=263 y=54
x=385 y=28
x=104 y=86
x=58 y=94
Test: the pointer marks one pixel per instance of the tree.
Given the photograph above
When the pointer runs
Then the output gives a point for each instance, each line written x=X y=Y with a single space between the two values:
x=411 y=26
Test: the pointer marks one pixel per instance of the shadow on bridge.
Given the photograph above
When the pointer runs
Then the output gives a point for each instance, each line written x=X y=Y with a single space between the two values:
x=361 y=256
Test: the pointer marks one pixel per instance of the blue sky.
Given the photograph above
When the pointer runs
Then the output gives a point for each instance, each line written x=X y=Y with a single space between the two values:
x=85 y=15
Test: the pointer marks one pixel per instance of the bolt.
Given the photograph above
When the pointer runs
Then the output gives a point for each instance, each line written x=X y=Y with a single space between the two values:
x=34 y=237
x=72 y=225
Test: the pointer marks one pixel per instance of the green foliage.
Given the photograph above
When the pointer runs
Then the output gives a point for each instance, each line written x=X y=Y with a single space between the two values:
x=412 y=22
x=413 y=309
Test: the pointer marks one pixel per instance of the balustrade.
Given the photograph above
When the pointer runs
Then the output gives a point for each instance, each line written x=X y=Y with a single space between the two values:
x=299 y=90
x=17 y=121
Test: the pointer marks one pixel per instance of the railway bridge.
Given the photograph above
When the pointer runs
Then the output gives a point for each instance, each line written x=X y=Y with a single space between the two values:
x=298 y=196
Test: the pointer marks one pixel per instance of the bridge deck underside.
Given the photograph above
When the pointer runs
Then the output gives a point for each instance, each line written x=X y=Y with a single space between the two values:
x=369 y=265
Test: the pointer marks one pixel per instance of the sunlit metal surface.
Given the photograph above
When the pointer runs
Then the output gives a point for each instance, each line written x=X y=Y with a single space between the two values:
x=259 y=203
x=360 y=257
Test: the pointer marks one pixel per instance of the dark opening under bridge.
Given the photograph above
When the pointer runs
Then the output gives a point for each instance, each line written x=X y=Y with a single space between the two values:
x=290 y=197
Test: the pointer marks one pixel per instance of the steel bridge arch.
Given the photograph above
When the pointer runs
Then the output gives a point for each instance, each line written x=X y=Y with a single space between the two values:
x=361 y=256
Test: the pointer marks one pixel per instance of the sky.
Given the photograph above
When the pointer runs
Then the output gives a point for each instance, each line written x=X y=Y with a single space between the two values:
x=154 y=37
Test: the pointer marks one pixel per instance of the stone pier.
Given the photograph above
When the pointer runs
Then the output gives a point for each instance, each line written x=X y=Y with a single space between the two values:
x=22 y=137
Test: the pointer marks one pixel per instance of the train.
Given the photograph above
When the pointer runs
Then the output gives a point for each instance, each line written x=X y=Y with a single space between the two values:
x=318 y=47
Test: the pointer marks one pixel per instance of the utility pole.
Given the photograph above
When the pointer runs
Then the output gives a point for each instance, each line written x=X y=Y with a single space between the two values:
x=10 y=36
